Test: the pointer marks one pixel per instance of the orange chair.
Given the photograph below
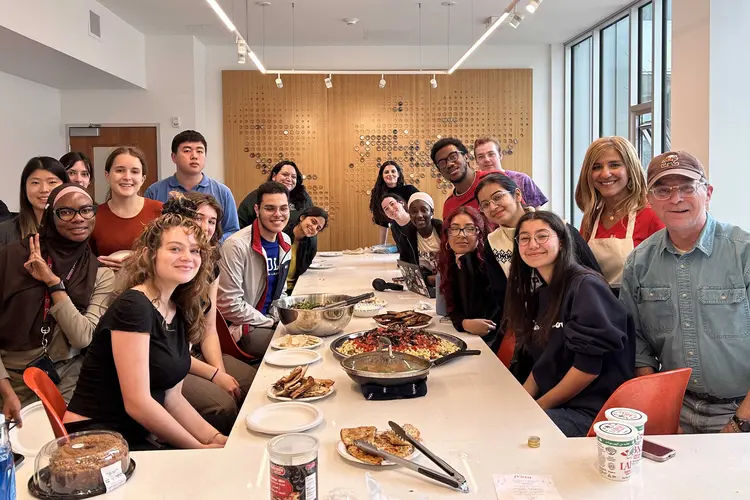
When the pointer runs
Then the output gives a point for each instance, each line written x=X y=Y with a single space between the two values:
x=659 y=396
x=53 y=402
x=507 y=348
x=227 y=343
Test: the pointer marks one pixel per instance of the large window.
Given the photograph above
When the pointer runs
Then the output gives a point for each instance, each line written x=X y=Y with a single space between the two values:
x=619 y=83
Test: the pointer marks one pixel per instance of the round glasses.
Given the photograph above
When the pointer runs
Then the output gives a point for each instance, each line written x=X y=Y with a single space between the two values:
x=664 y=193
x=541 y=238
x=67 y=214
x=496 y=198
x=448 y=159
x=466 y=231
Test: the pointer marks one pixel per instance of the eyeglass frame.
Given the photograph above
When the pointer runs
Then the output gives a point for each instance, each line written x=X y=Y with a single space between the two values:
x=697 y=184
x=447 y=159
x=499 y=192
x=545 y=234
x=94 y=207
x=461 y=230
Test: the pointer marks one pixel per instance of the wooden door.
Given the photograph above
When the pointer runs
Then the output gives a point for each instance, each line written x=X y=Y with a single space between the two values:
x=112 y=137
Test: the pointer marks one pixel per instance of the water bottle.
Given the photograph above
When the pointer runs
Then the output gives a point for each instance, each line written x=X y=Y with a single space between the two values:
x=7 y=466
x=440 y=307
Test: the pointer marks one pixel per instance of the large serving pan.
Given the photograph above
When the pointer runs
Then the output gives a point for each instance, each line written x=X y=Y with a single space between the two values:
x=319 y=323
x=335 y=344
x=385 y=367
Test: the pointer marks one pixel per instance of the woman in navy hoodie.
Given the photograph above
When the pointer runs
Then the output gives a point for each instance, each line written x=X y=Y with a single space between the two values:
x=578 y=336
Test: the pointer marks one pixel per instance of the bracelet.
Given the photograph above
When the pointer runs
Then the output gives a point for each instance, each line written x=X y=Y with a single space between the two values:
x=212 y=438
x=212 y=376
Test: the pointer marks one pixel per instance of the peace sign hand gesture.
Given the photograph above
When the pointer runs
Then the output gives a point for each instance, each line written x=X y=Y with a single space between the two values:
x=37 y=266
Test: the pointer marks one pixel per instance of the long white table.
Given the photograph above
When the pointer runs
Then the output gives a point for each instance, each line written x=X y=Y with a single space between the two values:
x=475 y=416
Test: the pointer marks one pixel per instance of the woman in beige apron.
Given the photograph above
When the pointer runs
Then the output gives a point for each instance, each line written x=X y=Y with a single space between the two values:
x=612 y=252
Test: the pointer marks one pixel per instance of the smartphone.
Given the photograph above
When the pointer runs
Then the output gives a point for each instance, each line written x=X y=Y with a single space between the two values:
x=657 y=452
x=18 y=459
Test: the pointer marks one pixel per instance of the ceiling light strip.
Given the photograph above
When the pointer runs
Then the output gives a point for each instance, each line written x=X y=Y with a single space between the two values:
x=356 y=72
x=222 y=15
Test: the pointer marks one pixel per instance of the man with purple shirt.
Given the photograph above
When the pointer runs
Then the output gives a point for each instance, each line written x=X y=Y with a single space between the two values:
x=489 y=157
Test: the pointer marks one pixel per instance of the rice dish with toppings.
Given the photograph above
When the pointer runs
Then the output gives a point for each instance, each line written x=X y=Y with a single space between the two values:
x=417 y=343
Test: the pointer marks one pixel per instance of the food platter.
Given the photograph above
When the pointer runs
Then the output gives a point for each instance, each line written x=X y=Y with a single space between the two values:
x=409 y=319
x=339 y=342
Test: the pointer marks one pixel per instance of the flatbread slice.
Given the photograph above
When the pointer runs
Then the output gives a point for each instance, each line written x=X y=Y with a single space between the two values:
x=365 y=433
x=383 y=443
x=317 y=389
x=364 y=456
x=393 y=438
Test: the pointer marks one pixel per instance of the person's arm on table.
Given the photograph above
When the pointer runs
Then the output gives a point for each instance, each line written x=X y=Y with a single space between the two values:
x=182 y=411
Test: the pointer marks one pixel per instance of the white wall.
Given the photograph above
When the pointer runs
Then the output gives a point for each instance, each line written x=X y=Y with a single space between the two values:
x=30 y=125
x=547 y=167
x=64 y=26
x=172 y=91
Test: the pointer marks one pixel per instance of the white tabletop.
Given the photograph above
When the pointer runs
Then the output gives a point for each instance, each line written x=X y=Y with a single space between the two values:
x=475 y=416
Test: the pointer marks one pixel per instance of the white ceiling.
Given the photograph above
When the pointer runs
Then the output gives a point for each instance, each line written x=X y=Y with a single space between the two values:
x=382 y=22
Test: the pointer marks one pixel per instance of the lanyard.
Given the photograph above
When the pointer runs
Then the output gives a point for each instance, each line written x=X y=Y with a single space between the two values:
x=47 y=303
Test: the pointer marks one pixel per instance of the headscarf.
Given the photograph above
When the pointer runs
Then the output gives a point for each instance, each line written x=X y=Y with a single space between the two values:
x=419 y=195
x=22 y=296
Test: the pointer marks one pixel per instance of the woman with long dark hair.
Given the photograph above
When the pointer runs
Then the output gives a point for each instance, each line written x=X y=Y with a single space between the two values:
x=390 y=180
x=126 y=212
x=577 y=335
x=468 y=296
x=79 y=168
x=52 y=294
x=39 y=177
x=304 y=237
x=286 y=173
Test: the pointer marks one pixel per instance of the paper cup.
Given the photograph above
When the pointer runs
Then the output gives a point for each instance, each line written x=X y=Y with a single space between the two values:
x=635 y=418
x=615 y=442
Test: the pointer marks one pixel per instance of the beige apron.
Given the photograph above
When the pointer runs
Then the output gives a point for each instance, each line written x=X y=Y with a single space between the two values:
x=611 y=252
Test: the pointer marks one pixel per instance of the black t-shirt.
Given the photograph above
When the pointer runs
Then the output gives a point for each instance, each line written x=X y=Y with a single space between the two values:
x=97 y=394
x=404 y=192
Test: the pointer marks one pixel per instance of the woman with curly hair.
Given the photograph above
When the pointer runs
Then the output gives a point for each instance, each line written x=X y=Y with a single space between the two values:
x=286 y=173
x=471 y=305
x=390 y=180
x=131 y=379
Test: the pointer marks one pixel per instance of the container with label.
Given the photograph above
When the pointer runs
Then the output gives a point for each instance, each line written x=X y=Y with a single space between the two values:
x=294 y=467
x=615 y=442
x=635 y=418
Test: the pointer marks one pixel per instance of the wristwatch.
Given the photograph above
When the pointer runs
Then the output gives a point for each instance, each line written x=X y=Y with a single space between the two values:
x=59 y=287
x=742 y=425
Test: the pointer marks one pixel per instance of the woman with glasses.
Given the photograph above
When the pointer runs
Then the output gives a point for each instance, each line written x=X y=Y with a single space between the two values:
x=52 y=294
x=390 y=180
x=611 y=192
x=471 y=305
x=287 y=173
x=578 y=337
x=502 y=204
x=124 y=215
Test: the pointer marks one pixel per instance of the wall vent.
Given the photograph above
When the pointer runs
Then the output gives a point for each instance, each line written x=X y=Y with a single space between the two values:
x=95 y=25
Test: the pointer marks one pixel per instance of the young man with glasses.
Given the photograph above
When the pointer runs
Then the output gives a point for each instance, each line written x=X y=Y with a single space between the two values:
x=254 y=266
x=489 y=158
x=687 y=289
x=450 y=156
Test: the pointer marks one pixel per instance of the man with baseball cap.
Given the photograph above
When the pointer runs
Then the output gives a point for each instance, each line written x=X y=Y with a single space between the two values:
x=687 y=288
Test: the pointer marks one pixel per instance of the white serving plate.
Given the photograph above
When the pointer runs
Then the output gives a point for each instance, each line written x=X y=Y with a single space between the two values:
x=36 y=431
x=322 y=265
x=330 y=254
x=275 y=344
x=271 y=395
x=341 y=448
x=288 y=358
x=283 y=418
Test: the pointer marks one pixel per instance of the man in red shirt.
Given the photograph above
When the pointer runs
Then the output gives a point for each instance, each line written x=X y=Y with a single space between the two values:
x=450 y=156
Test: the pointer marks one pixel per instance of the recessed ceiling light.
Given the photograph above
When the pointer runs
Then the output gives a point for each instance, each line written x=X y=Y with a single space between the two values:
x=262 y=4
x=351 y=21
x=448 y=3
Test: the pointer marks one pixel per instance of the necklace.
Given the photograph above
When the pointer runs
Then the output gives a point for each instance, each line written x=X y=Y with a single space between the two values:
x=611 y=214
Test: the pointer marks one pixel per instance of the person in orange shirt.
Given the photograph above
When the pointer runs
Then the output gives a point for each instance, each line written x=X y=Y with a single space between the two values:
x=122 y=218
x=611 y=192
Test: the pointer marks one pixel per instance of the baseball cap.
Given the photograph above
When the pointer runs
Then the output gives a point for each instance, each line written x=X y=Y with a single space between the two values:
x=674 y=163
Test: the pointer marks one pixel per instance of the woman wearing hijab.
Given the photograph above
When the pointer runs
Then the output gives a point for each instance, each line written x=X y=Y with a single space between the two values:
x=50 y=283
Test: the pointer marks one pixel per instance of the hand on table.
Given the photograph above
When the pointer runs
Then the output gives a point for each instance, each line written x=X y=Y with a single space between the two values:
x=12 y=408
x=478 y=326
x=229 y=384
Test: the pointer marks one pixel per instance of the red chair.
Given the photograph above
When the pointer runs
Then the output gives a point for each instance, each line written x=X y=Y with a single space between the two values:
x=507 y=348
x=659 y=396
x=227 y=343
x=53 y=402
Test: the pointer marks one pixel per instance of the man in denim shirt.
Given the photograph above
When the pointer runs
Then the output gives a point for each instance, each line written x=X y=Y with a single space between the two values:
x=687 y=289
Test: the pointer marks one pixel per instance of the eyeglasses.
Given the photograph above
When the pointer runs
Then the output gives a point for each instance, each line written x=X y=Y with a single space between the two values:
x=466 y=231
x=67 y=214
x=496 y=198
x=664 y=193
x=541 y=238
x=448 y=159
x=271 y=209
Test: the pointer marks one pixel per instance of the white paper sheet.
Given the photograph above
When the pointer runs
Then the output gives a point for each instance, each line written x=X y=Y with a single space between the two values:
x=525 y=487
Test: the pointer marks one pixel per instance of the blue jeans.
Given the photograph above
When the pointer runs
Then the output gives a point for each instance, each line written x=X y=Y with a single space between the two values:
x=573 y=422
x=699 y=417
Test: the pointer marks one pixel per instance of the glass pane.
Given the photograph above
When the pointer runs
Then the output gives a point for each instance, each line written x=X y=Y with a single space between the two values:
x=644 y=138
x=645 y=53
x=667 y=75
x=615 y=64
x=580 y=108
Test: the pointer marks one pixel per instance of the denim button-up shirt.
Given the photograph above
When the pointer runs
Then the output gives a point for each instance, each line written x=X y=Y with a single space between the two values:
x=692 y=310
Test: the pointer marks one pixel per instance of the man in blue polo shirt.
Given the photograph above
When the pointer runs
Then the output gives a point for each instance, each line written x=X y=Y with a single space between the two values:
x=189 y=156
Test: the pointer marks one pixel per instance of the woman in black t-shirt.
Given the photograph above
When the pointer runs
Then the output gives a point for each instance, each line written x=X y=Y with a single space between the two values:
x=390 y=180
x=131 y=379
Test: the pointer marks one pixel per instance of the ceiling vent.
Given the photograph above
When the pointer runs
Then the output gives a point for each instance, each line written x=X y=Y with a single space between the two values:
x=95 y=25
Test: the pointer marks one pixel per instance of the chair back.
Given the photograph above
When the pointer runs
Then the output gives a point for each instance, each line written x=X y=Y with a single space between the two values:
x=227 y=343
x=659 y=396
x=53 y=402
x=507 y=348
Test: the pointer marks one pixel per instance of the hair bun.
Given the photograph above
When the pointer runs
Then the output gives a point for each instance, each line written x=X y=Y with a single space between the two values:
x=178 y=204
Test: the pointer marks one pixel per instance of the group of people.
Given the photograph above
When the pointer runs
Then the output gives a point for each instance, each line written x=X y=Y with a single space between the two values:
x=121 y=303
x=650 y=282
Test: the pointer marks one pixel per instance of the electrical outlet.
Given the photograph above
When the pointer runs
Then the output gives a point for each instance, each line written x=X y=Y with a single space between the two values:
x=176 y=122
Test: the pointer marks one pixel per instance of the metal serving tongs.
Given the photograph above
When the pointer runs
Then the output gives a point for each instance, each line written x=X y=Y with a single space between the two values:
x=453 y=479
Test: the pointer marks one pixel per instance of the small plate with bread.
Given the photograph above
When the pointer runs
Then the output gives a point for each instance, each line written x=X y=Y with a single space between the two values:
x=296 y=386
x=384 y=440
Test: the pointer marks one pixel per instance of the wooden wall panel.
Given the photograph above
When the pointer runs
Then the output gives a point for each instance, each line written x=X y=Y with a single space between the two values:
x=339 y=136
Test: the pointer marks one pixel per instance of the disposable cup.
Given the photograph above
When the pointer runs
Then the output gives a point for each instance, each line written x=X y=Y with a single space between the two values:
x=635 y=418
x=615 y=443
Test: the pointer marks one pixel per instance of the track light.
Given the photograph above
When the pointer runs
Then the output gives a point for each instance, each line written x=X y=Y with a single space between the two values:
x=241 y=50
x=533 y=6
x=382 y=82
x=279 y=83
x=515 y=20
x=222 y=15
x=329 y=82
x=433 y=82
